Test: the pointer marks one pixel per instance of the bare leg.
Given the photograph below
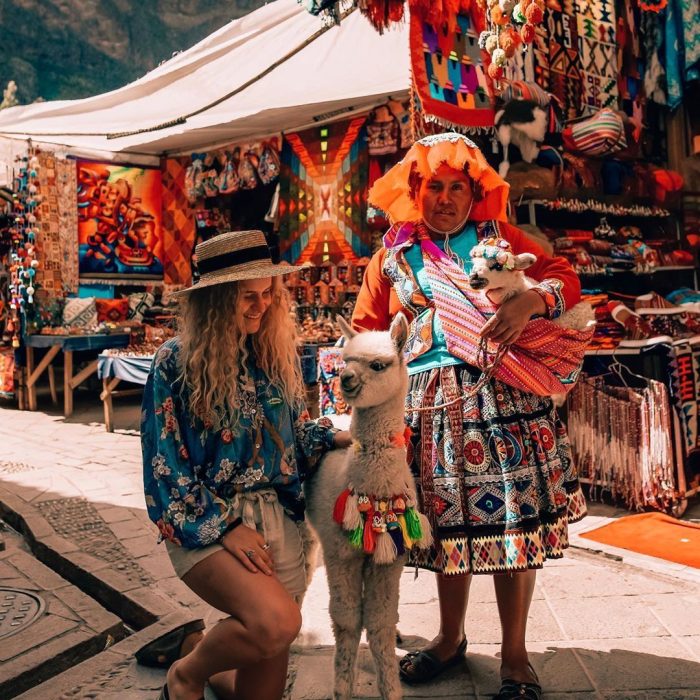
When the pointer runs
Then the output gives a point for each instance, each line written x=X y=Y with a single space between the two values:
x=263 y=622
x=514 y=595
x=453 y=596
x=265 y=680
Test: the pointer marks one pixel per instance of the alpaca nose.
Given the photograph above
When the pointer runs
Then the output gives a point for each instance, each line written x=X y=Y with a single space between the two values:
x=348 y=379
x=476 y=282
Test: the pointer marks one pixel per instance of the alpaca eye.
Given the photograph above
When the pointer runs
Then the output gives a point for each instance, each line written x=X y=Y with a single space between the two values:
x=377 y=366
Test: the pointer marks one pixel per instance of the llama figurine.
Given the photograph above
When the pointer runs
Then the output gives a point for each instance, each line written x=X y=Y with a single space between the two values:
x=499 y=273
x=361 y=503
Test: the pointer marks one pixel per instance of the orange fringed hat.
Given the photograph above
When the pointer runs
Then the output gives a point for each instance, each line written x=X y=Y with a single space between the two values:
x=391 y=192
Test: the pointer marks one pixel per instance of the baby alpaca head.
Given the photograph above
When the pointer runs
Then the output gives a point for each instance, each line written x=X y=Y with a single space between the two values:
x=495 y=267
x=375 y=371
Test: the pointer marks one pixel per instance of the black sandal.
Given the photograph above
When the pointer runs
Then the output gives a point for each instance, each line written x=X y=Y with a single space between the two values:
x=517 y=690
x=425 y=665
x=165 y=650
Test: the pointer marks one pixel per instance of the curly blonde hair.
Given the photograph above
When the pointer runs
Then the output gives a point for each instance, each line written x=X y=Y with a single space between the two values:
x=214 y=351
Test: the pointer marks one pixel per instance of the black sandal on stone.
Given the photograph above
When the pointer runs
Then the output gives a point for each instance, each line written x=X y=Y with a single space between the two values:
x=425 y=665
x=165 y=650
x=164 y=695
x=517 y=690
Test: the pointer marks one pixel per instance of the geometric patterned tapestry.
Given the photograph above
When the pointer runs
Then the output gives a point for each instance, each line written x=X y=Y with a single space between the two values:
x=323 y=194
x=178 y=222
x=48 y=240
x=67 y=186
x=598 y=51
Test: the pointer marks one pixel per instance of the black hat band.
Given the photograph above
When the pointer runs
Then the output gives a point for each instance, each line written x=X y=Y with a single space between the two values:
x=233 y=258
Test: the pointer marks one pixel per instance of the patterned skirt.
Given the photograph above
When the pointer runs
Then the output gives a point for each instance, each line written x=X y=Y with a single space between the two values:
x=494 y=474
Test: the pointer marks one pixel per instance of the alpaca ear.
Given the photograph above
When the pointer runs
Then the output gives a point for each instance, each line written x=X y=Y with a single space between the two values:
x=399 y=331
x=524 y=260
x=345 y=327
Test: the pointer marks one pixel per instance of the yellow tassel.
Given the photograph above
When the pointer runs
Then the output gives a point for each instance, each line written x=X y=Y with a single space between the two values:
x=407 y=541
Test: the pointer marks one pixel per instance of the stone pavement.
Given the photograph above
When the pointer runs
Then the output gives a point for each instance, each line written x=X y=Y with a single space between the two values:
x=604 y=624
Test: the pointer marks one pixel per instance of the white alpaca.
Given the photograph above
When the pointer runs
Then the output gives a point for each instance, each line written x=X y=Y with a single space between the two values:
x=364 y=588
x=500 y=283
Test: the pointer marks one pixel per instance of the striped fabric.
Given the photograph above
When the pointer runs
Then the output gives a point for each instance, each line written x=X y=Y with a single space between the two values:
x=602 y=134
x=546 y=358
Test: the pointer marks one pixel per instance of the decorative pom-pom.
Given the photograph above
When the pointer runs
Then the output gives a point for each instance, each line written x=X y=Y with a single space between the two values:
x=482 y=39
x=426 y=539
x=355 y=537
x=339 y=507
x=385 y=549
x=506 y=5
x=499 y=57
x=518 y=14
x=413 y=524
x=508 y=46
x=351 y=516
x=495 y=72
x=492 y=43
x=527 y=33
x=397 y=536
x=407 y=541
x=498 y=16
x=534 y=14
x=524 y=4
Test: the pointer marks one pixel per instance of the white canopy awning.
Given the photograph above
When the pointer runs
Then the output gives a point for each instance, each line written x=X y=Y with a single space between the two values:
x=276 y=69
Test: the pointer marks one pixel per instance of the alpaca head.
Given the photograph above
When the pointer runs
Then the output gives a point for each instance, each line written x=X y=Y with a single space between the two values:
x=375 y=371
x=495 y=267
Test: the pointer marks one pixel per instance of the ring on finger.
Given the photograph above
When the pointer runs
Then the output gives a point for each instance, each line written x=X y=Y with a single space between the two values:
x=250 y=554
x=265 y=547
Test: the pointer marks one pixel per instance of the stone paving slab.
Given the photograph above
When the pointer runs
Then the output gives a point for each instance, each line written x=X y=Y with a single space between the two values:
x=70 y=628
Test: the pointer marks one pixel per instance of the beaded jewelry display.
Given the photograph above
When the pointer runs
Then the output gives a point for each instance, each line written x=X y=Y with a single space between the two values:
x=496 y=249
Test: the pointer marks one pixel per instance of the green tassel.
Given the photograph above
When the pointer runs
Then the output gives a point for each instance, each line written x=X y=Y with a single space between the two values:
x=355 y=537
x=413 y=524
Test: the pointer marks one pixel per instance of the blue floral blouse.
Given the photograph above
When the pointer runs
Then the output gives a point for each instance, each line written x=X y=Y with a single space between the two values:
x=191 y=472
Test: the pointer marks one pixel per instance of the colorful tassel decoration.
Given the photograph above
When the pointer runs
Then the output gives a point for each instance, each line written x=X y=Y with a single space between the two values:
x=407 y=541
x=368 y=541
x=385 y=550
x=351 y=517
x=355 y=537
x=339 y=507
x=426 y=539
x=397 y=536
x=413 y=524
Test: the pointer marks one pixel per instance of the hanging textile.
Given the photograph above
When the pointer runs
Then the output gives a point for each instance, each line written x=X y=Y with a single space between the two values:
x=66 y=185
x=323 y=194
x=178 y=222
x=621 y=441
x=651 y=33
x=690 y=23
x=598 y=51
x=686 y=385
x=673 y=56
x=564 y=58
x=448 y=73
x=48 y=275
x=7 y=373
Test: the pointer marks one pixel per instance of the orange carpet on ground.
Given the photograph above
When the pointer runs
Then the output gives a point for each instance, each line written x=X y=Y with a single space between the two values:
x=654 y=534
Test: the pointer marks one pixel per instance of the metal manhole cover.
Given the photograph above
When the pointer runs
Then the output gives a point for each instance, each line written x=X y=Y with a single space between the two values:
x=18 y=609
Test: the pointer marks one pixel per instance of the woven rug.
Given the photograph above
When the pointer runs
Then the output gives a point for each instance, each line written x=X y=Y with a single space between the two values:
x=66 y=185
x=48 y=274
x=565 y=69
x=323 y=194
x=653 y=534
x=448 y=73
x=178 y=223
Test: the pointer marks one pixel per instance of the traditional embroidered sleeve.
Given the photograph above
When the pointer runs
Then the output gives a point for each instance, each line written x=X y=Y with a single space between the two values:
x=372 y=306
x=559 y=285
x=313 y=439
x=185 y=511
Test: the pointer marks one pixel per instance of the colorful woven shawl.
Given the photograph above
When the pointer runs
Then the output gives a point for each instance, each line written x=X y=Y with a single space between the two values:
x=546 y=359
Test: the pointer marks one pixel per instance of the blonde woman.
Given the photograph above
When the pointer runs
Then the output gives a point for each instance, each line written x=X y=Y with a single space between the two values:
x=226 y=446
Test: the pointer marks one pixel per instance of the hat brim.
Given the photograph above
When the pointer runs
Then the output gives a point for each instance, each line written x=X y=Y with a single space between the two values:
x=243 y=272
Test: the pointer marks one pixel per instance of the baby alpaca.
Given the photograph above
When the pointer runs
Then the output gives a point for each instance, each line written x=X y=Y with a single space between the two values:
x=497 y=272
x=361 y=503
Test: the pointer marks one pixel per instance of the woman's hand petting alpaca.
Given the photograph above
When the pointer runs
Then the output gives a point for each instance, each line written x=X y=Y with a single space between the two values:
x=506 y=325
x=248 y=546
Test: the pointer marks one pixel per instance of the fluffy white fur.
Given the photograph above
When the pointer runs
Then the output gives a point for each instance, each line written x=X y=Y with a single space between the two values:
x=503 y=284
x=364 y=594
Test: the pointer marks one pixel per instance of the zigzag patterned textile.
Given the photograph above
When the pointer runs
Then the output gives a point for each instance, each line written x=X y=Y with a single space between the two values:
x=598 y=51
x=565 y=69
x=178 y=223
x=448 y=72
x=323 y=194
x=546 y=358
x=49 y=274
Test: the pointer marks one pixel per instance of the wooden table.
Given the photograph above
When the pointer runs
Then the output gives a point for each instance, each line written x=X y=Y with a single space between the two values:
x=67 y=344
x=113 y=369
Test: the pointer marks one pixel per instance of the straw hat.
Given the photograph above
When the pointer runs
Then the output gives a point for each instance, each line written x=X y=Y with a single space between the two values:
x=235 y=256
